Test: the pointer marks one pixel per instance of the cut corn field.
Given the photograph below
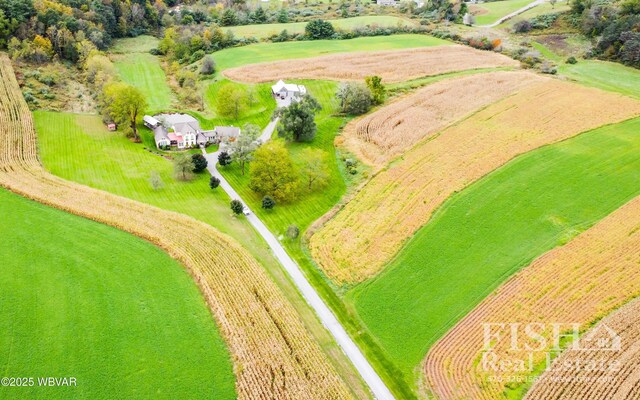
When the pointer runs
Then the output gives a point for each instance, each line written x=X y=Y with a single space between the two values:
x=369 y=230
x=580 y=282
x=416 y=63
x=274 y=356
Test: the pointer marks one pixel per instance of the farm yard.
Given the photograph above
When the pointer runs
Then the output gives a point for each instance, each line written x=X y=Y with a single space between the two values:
x=165 y=340
x=546 y=198
x=391 y=65
x=388 y=132
x=143 y=71
x=229 y=278
x=590 y=276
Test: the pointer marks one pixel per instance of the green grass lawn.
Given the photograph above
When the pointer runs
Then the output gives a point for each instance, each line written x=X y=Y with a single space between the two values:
x=541 y=9
x=138 y=44
x=261 y=31
x=498 y=9
x=143 y=71
x=492 y=229
x=604 y=75
x=258 y=109
x=81 y=299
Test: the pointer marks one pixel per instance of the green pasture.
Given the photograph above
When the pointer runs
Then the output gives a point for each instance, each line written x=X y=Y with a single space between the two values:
x=261 y=31
x=604 y=75
x=489 y=231
x=494 y=10
x=545 y=8
x=143 y=71
x=264 y=52
x=138 y=44
x=84 y=300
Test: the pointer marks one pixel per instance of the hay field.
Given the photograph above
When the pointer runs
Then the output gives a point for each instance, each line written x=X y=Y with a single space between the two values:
x=391 y=65
x=274 y=356
x=382 y=135
x=617 y=383
x=368 y=231
x=61 y=275
x=578 y=283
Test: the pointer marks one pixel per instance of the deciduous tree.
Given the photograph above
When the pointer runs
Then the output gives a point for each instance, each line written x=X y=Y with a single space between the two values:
x=377 y=89
x=199 y=163
x=297 y=122
x=224 y=159
x=355 y=98
x=124 y=103
x=183 y=166
x=231 y=101
x=236 y=207
x=272 y=172
x=313 y=168
x=214 y=182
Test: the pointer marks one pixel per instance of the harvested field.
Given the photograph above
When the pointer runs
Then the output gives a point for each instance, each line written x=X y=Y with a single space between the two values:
x=618 y=383
x=416 y=63
x=381 y=136
x=274 y=356
x=373 y=226
x=580 y=282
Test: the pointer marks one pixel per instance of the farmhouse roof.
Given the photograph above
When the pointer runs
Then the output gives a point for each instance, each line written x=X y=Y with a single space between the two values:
x=150 y=120
x=186 y=127
x=289 y=87
x=160 y=133
x=228 y=131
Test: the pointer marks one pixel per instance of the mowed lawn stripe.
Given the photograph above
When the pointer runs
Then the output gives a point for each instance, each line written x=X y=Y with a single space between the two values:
x=81 y=299
x=493 y=228
x=143 y=71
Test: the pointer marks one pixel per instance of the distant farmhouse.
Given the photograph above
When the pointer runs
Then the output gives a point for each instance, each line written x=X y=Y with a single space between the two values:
x=182 y=131
x=286 y=93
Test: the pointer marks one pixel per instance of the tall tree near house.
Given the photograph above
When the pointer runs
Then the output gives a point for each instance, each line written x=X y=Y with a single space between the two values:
x=199 y=163
x=183 y=166
x=124 y=103
x=272 y=172
x=231 y=101
x=224 y=159
x=313 y=168
x=297 y=122
x=242 y=150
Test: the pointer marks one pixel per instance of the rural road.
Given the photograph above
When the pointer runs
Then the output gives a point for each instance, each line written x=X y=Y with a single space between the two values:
x=513 y=14
x=328 y=319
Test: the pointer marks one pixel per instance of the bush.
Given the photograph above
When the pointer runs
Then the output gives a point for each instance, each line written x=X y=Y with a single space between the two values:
x=571 y=60
x=293 y=232
x=522 y=26
x=197 y=55
x=268 y=202
x=199 y=163
x=236 y=207
x=319 y=29
x=208 y=66
x=214 y=182
x=548 y=68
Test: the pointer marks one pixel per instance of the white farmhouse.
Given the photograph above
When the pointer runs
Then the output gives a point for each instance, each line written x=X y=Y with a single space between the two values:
x=284 y=90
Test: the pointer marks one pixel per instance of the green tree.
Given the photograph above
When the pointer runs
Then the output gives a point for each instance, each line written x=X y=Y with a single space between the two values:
x=124 y=103
x=229 y=18
x=377 y=89
x=183 y=166
x=259 y=16
x=283 y=16
x=242 y=150
x=7 y=27
x=355 y=98
x=297 y=122
x=208 y=66
x=314 y=168
x=272 y=172
x=156 y=181
x=268 y=202
x=214 y=182
x=319 y=29
x=293 y=232
x=224 y=159
x=231 y=101
x=236 y=207
x=199 y=163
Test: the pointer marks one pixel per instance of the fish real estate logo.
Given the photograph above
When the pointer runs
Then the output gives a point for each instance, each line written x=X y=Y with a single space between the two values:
x=513 y=351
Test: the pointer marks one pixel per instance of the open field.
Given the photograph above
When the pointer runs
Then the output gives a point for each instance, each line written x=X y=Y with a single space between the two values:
x=138 y=44
x=373 y=226
x=143 y=71
x=621 y=382
x=590 y=276
x=541 y=9
x=490 y=12
x=274 y=355
x=261 y=31
x=258 y=110
x=604 y=75
x=388 y=132
x=498 y=225
x=416 y=63
x=74 y=290
x=266 y=52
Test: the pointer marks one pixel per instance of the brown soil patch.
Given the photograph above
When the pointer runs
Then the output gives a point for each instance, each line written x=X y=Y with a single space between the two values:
x=391 y=65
